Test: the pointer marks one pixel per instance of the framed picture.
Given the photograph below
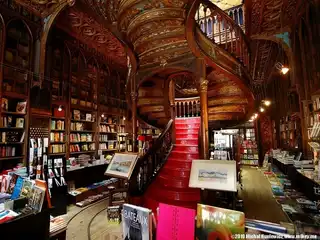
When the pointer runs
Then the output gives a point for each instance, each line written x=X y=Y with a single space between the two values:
x=214 y=174
x=122 y=165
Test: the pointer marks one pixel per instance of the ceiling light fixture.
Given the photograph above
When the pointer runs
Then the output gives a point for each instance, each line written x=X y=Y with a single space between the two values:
x=267 y=103
x=283 y=69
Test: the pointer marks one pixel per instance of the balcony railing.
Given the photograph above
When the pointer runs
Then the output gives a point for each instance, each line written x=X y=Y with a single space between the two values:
x=225 y=28
x=187 y=107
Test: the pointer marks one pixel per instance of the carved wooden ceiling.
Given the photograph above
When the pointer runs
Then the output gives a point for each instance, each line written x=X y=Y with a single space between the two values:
x=269 y=20
x=84 y=27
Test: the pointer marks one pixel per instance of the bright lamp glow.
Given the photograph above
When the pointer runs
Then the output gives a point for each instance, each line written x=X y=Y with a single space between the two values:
x=261 y=109
x=124 y=118
x=284 y=70
x=60 y=108
x=102 y=115
x=267 y=103
x=255 y=115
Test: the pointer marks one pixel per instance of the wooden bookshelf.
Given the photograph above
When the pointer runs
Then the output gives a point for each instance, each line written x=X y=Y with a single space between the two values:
x=14 y=125
x=290 y=132
x=249 y=154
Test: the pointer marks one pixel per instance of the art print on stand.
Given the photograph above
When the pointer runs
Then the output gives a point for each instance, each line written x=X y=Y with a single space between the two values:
x=214 y=174
x=122 y=165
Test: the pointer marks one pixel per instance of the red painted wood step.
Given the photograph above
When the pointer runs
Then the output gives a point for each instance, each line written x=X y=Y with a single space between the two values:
x=175 y=172
x=184 y=155
x=188 y=136
x=187 y=141
x=175 y=194
x=187 y=120
x=187 y=126
x=186 y=148
x=177 y=182
x=187 y=131
x=178 y=163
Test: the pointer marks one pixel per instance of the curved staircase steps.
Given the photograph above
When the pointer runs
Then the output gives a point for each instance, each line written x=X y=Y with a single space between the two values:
x=187 y=141
x=171 y=185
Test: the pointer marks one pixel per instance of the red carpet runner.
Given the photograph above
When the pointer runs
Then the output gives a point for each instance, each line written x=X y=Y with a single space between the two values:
x=171 y=184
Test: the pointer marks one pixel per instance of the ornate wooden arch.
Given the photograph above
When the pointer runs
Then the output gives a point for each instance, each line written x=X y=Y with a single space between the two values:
x=44 y=36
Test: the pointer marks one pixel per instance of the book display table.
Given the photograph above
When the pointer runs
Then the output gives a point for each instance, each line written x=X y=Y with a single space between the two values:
x=283 y=167
x=31 y=226
x=304 y=183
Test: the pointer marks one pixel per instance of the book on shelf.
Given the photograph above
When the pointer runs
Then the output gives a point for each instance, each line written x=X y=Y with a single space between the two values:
x=21 y=107
x=219 y=223
x=171 y=221
x=136 y=222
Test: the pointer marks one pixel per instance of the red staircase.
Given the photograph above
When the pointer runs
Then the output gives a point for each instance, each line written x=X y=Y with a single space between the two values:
x=171 y=184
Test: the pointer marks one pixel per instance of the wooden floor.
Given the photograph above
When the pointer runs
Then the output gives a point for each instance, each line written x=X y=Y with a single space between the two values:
x=257 y=197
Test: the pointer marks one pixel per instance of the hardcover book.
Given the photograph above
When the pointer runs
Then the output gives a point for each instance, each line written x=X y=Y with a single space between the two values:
x=171 y=221
x=136 y=222
x=27 y=189
x=113 y=214
x=37 y=198
x=17 y=188
x=219 y=223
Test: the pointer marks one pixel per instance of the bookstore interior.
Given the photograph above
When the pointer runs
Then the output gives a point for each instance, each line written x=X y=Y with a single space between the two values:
x=159 y=120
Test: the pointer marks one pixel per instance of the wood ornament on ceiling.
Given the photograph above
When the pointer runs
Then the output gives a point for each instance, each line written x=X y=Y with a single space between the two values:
x=43 y=8
x=85 y=28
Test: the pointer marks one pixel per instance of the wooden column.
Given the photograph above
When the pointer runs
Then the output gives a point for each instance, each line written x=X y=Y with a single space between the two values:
x=134 y=121
x=172 y=108
x=203 y=89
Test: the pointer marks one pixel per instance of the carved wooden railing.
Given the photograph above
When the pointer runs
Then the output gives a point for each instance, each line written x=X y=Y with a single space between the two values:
x=223 y=30
x=149 y=165
x=187 y=107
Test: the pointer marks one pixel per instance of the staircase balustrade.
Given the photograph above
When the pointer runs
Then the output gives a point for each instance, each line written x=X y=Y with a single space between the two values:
x=187 y=107
x=149 y=165
x=224 y=30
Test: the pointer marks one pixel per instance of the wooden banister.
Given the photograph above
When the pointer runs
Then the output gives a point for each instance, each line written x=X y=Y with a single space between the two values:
x=187 y=107
x=225 y=31
x=149 y=165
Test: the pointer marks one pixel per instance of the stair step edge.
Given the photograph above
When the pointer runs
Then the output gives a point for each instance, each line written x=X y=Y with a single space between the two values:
x=186 y=145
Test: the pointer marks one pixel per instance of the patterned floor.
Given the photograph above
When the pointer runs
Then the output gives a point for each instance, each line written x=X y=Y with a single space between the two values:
x=91 y=223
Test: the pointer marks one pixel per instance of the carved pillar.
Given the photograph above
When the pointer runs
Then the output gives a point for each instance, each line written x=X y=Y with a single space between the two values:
x=134 y=121
x=203 y=89
x=172 y=108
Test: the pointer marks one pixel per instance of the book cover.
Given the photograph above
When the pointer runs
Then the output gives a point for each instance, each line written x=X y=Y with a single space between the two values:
x=42 y=184
x=171 y=221
x=265 y=227
x=113 y=214
x=136 y=223
x=4 y=104
x=27 y=189
x=12 y=183
x=37 y=198
x=21 y=107
x=219 y=223
x=17 y=188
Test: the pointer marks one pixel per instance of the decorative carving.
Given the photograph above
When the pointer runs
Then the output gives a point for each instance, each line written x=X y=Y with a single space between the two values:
x=43 y=8
x=203 y=85
x=227 y=100
x=227 y=109
x=85 y=28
